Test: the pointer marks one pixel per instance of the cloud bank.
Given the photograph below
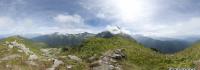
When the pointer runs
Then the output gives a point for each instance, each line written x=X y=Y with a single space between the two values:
x=171 y=18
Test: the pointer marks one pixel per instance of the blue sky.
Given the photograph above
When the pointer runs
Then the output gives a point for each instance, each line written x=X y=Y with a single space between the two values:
x=165 y=18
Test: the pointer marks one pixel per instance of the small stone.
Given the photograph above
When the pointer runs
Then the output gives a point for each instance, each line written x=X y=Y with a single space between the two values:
x=111 y=67
x=8 y=66
x=113 y=61
x=56 y=63
x=73 y=57
x=33 y=57
x=95 y=64
x=118 y=68
x=69 y=67
x=116 y=56
x=93 y=58
x=10 y=46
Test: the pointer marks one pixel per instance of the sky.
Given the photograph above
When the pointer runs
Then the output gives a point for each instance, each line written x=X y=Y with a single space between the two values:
x=163 y=18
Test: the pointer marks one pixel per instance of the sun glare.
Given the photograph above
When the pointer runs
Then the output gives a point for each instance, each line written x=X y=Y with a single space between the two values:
x=129 y=10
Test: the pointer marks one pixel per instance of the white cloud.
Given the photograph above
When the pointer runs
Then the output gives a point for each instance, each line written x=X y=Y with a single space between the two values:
x=73 y=24
x=141 y=17
x=23 y=26
x=117 y=29
x=188 y=27
x=63 y=24
x=6 y=22
x=126 y=11
x=69 y=18
x=182 y=28
x=133 y=16
x=11 y=26
x=70 y=21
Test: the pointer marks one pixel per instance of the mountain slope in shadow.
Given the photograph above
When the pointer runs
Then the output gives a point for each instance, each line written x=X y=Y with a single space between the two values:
x=163 y=46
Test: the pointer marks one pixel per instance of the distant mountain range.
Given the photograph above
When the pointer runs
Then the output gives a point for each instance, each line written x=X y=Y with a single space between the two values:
x=163 y=45
x=63 y=40
x=72 y=40
x=104 y=51
x=116 y=52
x=192 y=39
x=167 y=45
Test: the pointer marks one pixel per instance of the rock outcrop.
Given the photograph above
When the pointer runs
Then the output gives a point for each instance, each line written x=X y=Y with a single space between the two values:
x=109 y=61
x=21 y=48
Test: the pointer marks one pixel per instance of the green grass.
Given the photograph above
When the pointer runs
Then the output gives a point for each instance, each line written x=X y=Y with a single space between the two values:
x=19 y=63
x=34 y=46
x=138 y=57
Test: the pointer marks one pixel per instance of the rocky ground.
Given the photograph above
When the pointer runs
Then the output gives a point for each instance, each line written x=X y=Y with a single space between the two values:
x=116 y=53
x=54 y=61
x=109 y=61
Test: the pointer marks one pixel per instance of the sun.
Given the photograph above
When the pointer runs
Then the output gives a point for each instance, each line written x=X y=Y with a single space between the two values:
x=129 y=10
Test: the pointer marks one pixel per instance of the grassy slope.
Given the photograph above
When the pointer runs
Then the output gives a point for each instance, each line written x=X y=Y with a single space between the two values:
x=192 y=51
x=190 y=55
x=138 y=57
x=34 y=46
x=20 y=62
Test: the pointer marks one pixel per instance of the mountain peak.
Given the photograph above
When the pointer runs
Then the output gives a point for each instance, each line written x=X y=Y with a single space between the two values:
x=105 y=34
x=13 y=38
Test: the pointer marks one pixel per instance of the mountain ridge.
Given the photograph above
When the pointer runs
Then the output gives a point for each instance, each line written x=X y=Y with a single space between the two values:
x=164 y=46
x=97 y=53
